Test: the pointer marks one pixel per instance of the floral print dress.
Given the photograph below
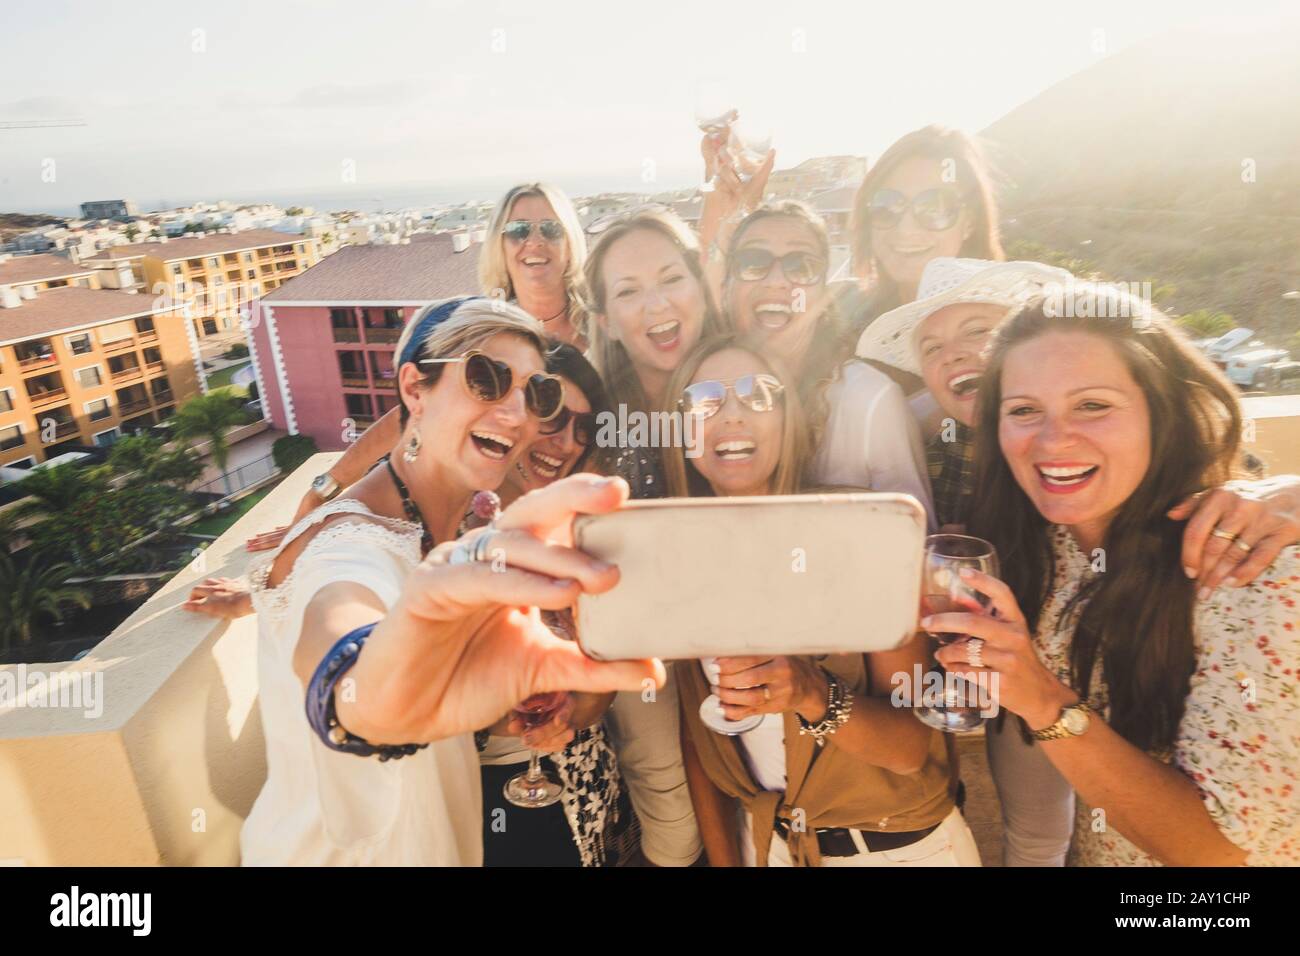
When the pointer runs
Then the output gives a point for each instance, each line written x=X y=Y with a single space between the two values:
x=1239 y=740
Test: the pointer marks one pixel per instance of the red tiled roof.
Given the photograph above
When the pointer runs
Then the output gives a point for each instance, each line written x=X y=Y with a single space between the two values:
x=419 y=272
x=196 y=247
x=24 y=269
x=71 y=307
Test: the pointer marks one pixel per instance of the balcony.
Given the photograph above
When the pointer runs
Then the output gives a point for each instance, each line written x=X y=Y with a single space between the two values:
x=119 y=345
x=150 y=335
x=48 y=397
x=42 y=360
x=131 y=371
x=355 y=380
x=153 y=366
x=61 y=430
x=346 y=334
x=382 y=336
x=133 y=406
x=386 y=383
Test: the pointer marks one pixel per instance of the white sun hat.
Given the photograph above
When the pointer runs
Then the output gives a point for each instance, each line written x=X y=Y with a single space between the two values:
x=947 y=281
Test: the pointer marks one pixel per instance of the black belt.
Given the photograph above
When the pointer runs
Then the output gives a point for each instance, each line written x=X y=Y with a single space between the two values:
x=838 y=841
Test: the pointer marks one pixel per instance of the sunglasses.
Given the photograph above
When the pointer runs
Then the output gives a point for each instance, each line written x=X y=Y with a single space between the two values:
x=489 y=381
x=756 y=392
x=801 y=268
x=584 y=426
x=933 y=209
x=521 y=230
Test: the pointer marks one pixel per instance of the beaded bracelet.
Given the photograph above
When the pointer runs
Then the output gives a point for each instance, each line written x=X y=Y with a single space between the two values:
x=839 y=705
x=320 y=702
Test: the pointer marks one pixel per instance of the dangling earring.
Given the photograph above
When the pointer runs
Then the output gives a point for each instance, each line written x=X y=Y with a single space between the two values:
x=412 y=449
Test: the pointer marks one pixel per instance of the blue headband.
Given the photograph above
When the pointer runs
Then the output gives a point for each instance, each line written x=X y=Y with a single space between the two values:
x=435 y=316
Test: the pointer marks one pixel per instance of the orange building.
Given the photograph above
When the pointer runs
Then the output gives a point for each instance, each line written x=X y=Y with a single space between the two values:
x=215 y=275
x=81 y=365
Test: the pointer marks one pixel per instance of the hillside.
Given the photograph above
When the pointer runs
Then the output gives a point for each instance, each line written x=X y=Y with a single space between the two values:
x=1135 y=166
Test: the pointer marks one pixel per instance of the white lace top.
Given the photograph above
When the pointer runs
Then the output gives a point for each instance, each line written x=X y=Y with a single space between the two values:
x=1239 y=740
x=320 y=807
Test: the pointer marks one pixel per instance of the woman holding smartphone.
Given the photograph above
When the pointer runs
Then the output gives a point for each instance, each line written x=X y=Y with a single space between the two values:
x=834 y=775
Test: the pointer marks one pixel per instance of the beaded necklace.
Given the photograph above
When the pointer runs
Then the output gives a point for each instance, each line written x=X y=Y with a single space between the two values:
x=411 y=508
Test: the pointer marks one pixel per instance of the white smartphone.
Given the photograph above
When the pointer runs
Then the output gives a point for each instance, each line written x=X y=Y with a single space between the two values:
x=724 y=577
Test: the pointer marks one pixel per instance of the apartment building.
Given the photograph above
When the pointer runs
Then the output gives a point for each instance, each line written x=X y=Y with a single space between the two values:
x=323 y=343
x=216 y=275
x=109 y=209
x=82 y=365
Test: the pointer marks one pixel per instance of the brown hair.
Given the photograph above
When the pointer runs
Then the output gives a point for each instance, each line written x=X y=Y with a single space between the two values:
x=832 y=344
x=940 y=144
x=1136 y=619
x=609 y=356
x=683 y=480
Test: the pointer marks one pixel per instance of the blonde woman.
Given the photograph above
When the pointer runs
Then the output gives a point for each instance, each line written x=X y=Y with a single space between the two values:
x=350 y=588
x=533 y=257
x=876 y=793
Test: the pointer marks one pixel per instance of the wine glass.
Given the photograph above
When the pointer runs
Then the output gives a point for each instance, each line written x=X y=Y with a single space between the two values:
x=709 y=715
x=535 y=787
x=750 y=141
x=714 y=113
x=942 y=591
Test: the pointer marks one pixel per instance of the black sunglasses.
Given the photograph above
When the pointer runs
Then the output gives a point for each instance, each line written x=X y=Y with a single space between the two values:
x=934 y=209
x=758 y=392
x=584 y=425
x=801 y=268
x=521 y=230
x=489 y=381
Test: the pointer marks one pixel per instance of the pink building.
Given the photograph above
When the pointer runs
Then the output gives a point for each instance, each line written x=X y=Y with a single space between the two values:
x=322 y=344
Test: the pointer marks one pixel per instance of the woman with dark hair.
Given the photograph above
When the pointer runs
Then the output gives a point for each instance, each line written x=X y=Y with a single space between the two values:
x=878 y=794
x=1173 y=715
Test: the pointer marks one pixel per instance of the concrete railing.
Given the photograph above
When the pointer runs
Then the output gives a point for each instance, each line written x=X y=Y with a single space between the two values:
x=156 y=755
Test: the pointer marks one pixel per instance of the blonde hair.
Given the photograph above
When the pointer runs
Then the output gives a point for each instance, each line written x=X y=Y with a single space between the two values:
x=492 y=271
x=792 y=460
x=467 y=328
x=608 y=355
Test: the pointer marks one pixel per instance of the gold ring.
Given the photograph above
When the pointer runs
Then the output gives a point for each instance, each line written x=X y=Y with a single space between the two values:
x=1227 y=535
x=1243 y=545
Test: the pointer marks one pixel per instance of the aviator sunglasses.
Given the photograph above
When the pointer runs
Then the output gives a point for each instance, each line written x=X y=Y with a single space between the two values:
x=521 y=230
x=933 y=209
x=756 y=392
x=489 y=381
x=801 y=268
x=584 y=425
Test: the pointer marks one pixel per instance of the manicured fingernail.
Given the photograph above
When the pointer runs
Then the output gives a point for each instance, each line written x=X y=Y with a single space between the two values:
x=563 y=582
x=1190 y=572
x=1233 y=583
x=1203 y=593
x=602 y=566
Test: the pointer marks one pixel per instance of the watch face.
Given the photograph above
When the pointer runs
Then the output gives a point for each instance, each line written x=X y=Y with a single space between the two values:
x=1076 y=721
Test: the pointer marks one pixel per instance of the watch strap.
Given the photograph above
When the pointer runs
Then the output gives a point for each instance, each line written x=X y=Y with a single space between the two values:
x=1059 y=729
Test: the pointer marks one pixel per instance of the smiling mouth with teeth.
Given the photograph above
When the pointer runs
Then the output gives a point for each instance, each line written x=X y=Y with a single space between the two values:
x=548 y=466
x=665 y=334
x=536 y=261
x=735 y=450
x=1065 y=477
x=773 y=315
x=964 y=385
x=492 y=445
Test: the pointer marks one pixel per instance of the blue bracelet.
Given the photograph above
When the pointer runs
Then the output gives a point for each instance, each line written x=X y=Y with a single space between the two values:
x=320 y=702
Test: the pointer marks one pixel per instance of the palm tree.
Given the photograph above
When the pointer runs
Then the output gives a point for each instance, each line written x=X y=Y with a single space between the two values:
x=206 y=418
x=1204 y=324
x=62 y=499
x=151 y=461
x=29 y=593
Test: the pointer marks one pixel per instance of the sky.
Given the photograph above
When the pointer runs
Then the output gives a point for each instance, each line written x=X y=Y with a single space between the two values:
x=461 y=98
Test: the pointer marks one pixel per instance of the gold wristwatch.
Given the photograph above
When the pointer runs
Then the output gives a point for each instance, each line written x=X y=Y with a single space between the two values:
x=1074 y=720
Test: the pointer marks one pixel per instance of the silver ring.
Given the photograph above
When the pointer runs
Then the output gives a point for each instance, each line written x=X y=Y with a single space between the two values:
x=1226 y=535
x=460 y=554
x=1243 y=545
x=975 y=652
x=483 y=545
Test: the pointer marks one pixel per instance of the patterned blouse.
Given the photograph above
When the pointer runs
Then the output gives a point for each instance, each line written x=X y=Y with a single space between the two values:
x=1239 y=740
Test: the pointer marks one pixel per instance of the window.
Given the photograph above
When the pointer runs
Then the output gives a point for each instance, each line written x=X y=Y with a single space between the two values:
x=252 y=274
x=393 y=318
x=6 y=399
x=98 y=409
x=79 y=344
x=248 y=257
x=11 y=437
x=104 y=439
x=144 y=324
x=23 y=463
x=161 y=388
x=214 y=263
x=359 y=406
x=152 y=355
x=343 y=319
x=90 y=377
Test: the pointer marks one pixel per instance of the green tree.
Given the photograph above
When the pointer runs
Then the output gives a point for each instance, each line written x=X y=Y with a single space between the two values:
x=63 y=500
x=153 y=462
x=30 y=592
x=1204 y=324
x=208 y=418
x=292 y=450
x=131 y=232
